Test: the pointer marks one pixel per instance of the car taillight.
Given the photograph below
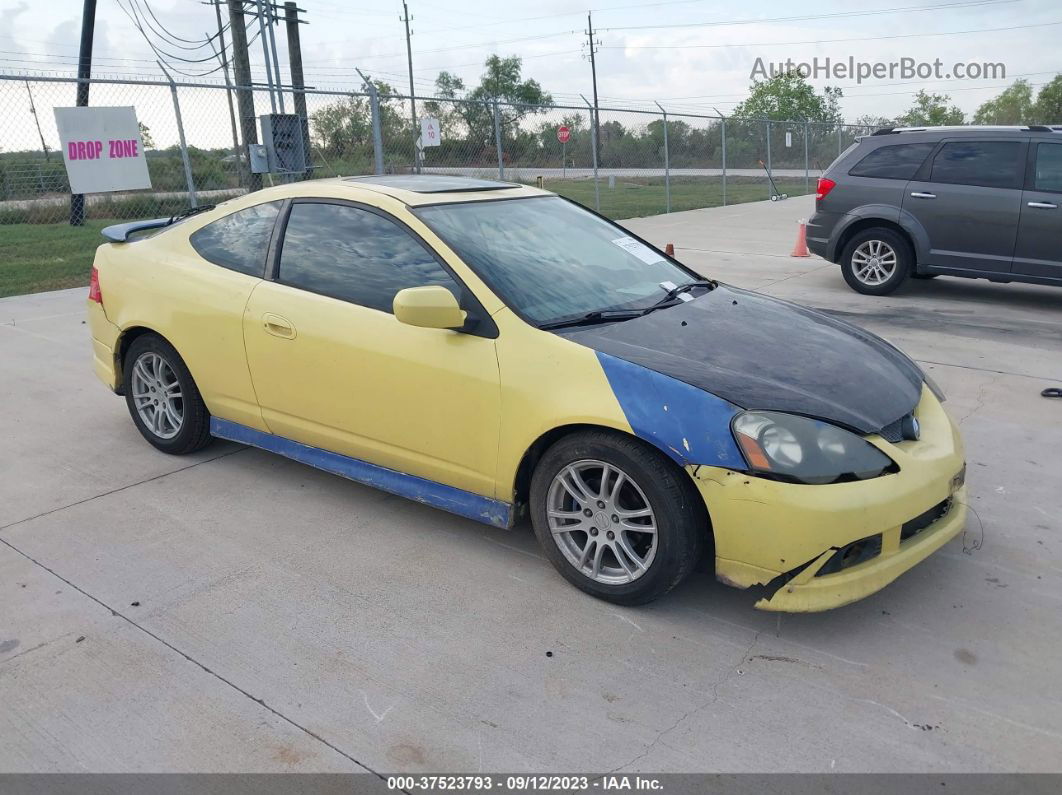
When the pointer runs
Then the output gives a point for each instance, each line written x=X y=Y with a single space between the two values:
x=94 y=287
x=824 y=187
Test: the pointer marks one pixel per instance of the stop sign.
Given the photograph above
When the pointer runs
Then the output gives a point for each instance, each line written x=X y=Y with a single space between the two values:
x=563 y=134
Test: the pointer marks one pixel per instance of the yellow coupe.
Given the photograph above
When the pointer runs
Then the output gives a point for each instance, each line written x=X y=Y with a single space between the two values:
x=495 y=350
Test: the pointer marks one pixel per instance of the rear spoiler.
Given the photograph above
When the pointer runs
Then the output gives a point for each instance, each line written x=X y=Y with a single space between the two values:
x=120 y=233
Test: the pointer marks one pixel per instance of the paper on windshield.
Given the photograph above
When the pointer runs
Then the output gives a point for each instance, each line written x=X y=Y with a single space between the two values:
x=638 y=249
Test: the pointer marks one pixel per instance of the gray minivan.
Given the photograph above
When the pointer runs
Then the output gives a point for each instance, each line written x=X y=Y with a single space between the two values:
x=980 y=202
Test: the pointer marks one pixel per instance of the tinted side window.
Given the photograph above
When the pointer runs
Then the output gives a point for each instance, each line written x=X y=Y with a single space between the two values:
x=991 y=164
x=1048 y=168
x=238 y=241
x=900 y=161
x=355 y=255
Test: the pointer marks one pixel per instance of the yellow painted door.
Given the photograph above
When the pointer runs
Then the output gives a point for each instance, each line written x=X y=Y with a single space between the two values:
x=348 y=377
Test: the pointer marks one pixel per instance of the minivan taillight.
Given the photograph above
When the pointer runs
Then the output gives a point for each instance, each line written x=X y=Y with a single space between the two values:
x=94 y=287
x=822 y=190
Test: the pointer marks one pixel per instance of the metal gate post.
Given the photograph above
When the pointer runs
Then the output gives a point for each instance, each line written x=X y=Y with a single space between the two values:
x=593 y=147
x=722 y=130
x=667 y=161
x=180 y=136
x=498 y=141
x=807 y=174
x=377 y=138
x=770 y=174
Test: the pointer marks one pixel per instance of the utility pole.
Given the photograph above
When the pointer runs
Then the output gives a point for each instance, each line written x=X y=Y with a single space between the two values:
x=593 y=72
x=265 y=52
x=224 y=58
x=84 y=72
x=291 y=21
x=273 y=46
x=412 y=99
x=241 y=67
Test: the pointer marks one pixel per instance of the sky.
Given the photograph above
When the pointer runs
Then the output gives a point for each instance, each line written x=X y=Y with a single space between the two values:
x=690 y=55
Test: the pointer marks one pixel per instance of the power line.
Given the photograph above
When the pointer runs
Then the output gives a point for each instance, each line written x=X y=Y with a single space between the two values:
x=820 y=41
x=831 y=15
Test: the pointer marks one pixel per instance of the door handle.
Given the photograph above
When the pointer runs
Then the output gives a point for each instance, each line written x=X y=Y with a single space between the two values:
x=278 y=326
x=920 y=195
x=1043 y=205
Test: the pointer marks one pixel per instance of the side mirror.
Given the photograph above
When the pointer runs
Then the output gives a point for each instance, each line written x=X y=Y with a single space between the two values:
x=428 y=307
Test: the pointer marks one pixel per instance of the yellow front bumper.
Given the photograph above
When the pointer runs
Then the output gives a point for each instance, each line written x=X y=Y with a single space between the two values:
x=766 y=530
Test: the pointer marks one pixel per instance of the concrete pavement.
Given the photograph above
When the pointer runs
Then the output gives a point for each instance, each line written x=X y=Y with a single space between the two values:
x=234 y=610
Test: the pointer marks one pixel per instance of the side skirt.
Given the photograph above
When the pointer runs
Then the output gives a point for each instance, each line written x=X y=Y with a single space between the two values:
x=428 y=492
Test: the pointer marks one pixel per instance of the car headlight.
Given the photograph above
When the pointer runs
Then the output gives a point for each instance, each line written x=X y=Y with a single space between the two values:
x=803 y=450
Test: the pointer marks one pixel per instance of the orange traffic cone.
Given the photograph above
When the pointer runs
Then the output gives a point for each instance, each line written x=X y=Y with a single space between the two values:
x=669 y=249
x=801 y=247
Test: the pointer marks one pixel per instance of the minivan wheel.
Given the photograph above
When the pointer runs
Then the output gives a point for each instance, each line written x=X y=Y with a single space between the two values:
x=163 y=400
x=876 y=261
x=616 y=517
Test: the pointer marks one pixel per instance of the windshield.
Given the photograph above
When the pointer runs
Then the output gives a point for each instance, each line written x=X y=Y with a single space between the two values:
x=549 y=259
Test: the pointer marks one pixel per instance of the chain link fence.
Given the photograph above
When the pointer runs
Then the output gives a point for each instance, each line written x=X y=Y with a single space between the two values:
x=625 y=163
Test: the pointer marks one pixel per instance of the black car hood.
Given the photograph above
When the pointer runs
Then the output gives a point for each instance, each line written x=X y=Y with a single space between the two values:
x=761 y=353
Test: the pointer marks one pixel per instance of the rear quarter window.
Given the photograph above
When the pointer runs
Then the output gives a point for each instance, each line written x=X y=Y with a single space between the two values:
x=238 y=241
x=987 y=164
x=896 y=161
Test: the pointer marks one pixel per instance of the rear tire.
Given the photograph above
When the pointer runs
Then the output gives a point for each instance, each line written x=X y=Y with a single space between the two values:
x=876 y=261
x=642 y=488
x=162 y=397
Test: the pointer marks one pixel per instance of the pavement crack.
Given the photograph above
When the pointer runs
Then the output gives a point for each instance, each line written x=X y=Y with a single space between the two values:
x=260 y=701
x=119 y=489
x=730 y=671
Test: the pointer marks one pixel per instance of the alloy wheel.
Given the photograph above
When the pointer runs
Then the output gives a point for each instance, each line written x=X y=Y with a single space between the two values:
x=874 y=262
x=157 y=395
x=602 y=522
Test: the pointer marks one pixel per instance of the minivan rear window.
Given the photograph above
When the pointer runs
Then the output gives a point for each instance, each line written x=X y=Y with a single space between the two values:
x=988 y=164
x=897 y=161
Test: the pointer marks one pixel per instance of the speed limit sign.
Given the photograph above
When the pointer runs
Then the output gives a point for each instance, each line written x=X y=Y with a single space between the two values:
x=429 y=132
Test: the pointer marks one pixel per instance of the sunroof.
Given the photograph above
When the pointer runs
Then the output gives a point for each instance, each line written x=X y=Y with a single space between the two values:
x=433 y=183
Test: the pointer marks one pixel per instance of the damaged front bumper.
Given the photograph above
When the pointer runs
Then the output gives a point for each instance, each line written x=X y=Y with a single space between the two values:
x=811 y=590
x=819 y=547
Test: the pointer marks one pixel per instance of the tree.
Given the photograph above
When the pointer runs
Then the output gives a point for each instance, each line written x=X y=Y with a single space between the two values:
x=872 y=122
x=145 y=136
x=931 y=110
x=344 y=128
x=502 y=82
x=1048 y=106
x=1013 y=106
x=790 y=97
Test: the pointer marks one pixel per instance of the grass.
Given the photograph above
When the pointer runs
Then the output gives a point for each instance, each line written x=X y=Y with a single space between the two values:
x=635 y=197
x=35 y=257
x=38 y=257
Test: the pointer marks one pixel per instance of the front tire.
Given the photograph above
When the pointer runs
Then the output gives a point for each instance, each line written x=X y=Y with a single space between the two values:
x=616 y=517
x=162 y=397
x=876 y=261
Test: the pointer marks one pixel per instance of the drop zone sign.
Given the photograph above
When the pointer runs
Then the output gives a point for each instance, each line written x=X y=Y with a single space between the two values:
x=102 y=149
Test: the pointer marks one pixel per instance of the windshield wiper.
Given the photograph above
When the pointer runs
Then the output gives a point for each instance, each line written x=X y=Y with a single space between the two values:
x=597 y=316
x=675 y=292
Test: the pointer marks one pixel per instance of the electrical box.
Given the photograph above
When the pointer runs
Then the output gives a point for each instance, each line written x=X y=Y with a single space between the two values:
x=284 y=140
x=259 y=158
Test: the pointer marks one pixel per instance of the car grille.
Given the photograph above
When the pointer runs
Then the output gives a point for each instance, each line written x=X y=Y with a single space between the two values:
x=922 y=521
x=893 y=432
